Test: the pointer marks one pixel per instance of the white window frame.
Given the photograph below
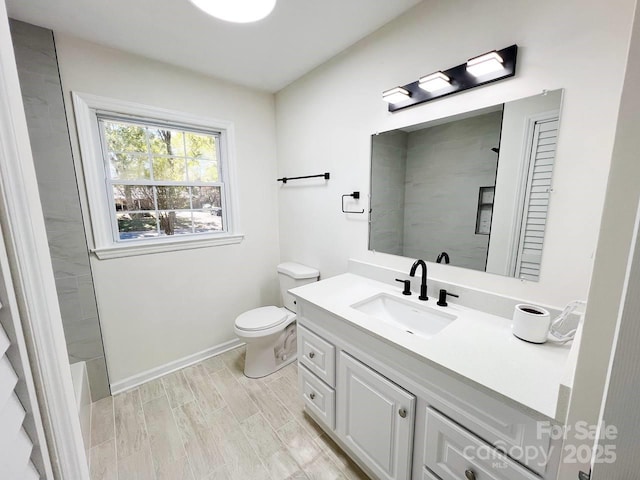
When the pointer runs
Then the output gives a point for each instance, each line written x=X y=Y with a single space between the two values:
x=87 y=107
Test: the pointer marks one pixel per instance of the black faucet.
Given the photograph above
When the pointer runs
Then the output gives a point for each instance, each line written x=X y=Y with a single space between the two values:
x=443 y=256
x=423 y=284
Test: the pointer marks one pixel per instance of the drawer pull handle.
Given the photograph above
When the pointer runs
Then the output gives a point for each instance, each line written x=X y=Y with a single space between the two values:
x=312 y=395
x=402 y=412
x=469 y=474
x=312 y=354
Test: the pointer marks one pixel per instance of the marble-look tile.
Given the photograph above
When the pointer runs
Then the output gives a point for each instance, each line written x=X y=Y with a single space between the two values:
x=234 y=361
x=251 y=468
x=203 y=388
x=261 y=435
x=239 y=456
x=102 y=421
x=268 y=403
x=178 y=469
x=213 y=364
x=103 y=461
x=68 y=254
x=177 y=389
x=322 y=468
x=84 y=341
x=164 y=437
x=138 y=466
x=69 y=299
x=131 y=433
x=236 y=397
x=281 y=464
x=221 y=473
x=88 y=306
x=151 y=390
x=301 y=445
x=200 y=441
x=34 y=48
x=98 y=380
x=156 y=442
x=335 y=453
x=286 y=389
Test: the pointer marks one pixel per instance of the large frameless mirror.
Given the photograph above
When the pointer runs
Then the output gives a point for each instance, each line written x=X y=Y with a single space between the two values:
x=470 y=190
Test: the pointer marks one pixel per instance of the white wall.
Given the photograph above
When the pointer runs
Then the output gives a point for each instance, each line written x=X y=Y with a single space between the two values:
x=325 y=120
x=158 y=308
x=609 y=272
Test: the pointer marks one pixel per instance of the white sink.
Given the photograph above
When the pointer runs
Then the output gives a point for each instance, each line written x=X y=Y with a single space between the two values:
x=413 y=318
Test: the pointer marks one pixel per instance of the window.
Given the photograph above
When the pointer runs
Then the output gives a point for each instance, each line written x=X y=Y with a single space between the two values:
x=156 y=180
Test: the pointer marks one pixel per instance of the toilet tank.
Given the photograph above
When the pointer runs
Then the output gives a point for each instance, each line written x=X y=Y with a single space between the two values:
x=294 y=275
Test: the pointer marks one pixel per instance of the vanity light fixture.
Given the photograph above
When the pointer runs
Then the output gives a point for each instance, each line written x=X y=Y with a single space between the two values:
x=486 y=68
x=236 y=11
x=434 y=82
x=396 y=95
x=484 y=64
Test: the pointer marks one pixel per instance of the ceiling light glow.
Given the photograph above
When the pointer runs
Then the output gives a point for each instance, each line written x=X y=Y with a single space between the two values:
x=434 y=82
x=237 y=11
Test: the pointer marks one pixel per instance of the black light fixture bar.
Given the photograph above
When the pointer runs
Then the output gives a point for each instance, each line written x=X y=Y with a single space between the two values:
x=460 y=79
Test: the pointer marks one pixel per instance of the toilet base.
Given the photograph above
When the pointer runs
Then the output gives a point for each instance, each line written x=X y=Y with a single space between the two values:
x=263 y=372
x=266 y=355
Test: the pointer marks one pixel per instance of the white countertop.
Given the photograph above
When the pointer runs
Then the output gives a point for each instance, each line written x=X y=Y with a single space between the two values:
x=477 y=345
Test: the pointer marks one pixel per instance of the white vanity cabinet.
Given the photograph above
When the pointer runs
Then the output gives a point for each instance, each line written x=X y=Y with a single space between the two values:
x=401 y=417
x=375 y=419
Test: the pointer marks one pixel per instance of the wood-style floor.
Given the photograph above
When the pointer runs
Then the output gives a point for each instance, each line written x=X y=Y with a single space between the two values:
x=209 y=421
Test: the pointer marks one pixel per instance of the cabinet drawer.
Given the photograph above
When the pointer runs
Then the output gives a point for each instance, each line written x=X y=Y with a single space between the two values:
x=318 y=355
x=427 y=475
x=453 y=453
x=318 y=397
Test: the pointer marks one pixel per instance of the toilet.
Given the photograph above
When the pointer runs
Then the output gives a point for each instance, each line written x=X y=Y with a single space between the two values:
x=270 y=332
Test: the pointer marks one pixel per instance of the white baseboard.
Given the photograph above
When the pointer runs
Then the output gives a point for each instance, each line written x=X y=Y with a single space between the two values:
x=161 y=371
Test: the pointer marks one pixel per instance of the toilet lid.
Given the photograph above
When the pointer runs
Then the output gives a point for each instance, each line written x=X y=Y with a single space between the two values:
x=261 y=318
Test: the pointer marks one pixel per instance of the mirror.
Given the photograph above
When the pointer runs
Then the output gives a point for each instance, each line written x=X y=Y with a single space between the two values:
x=471 y=190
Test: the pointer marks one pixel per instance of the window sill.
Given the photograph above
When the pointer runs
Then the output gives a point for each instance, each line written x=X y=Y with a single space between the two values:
x=160 y=246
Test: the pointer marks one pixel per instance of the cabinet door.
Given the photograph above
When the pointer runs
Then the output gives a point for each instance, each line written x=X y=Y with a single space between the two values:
x=375 y=419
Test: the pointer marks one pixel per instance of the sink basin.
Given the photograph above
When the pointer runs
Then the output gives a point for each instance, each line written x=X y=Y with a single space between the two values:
x=416 y=319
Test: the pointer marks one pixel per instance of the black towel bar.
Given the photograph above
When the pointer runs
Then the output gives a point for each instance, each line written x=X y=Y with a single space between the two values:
x=286 y=179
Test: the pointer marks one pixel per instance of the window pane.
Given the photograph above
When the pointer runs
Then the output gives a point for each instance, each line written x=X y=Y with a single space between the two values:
x=168 y=168
x=124 y=166
x=175 y=223
x=136 y=225
x=207 y=220
x=166 y=142
x=170 y=198
x=208 y=198
x=133 y=197
x=201 y=146
x=123 y=137
x=203 y=171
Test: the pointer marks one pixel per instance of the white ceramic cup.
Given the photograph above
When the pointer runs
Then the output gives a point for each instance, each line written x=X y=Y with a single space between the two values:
x=531 y=323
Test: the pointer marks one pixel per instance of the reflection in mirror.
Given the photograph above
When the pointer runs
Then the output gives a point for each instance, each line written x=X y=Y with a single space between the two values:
x=470 y=190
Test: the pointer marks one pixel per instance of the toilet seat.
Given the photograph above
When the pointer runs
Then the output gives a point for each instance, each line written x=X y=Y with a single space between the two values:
x=262 y=318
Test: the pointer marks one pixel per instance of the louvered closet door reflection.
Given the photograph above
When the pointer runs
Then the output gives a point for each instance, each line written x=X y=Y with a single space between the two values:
x=15 y=444
x=536 y=203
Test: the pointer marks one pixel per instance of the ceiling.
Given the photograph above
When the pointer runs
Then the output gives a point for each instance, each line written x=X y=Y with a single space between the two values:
x=298 y=36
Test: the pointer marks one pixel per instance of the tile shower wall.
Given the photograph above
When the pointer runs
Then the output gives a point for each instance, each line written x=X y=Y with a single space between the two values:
x=42 y=96
x=446 y=166
x=389 y=152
